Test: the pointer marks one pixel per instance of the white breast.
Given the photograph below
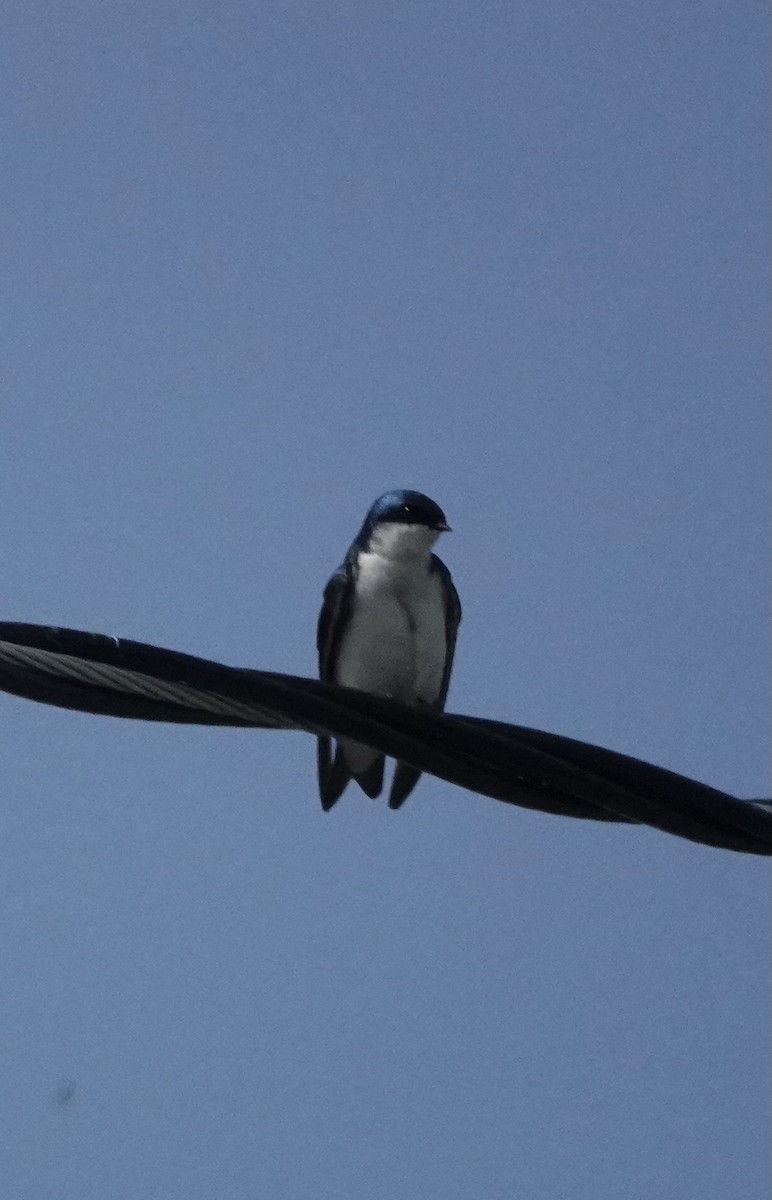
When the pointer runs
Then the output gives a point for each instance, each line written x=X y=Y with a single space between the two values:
x=395 y=644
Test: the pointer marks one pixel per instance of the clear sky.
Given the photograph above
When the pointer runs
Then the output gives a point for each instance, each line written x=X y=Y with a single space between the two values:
x=261 y=262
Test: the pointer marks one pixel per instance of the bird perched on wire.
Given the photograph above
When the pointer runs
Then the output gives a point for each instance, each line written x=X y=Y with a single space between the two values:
x=388 y=626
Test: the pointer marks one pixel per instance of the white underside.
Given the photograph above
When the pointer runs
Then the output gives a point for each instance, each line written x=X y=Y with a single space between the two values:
x=395 y=644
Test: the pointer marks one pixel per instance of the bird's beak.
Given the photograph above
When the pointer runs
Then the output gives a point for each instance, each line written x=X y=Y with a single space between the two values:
x=443 y=528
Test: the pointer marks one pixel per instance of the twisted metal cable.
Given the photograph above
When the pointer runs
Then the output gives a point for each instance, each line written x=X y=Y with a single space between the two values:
x=542 y=771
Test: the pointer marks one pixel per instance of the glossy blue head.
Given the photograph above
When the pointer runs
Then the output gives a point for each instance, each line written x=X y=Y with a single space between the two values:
x=402 y=521
x=404 y=507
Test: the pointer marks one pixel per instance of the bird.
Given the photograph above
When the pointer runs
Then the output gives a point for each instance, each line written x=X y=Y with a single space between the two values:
x=388 y=626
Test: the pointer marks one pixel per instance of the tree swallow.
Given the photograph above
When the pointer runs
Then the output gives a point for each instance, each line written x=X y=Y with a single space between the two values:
x=388 y=626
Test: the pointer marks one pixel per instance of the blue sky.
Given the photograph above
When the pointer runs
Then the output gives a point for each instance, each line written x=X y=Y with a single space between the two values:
x=261 y=263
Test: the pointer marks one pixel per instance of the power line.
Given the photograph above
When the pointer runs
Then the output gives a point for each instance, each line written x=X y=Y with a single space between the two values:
x=543 y=771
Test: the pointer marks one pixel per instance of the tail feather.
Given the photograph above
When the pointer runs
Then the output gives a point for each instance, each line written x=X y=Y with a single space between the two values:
x=334 y=775
x=371 y=780
x=405 y=779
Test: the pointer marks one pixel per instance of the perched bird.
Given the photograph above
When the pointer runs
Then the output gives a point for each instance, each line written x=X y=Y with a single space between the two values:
x=388 y=626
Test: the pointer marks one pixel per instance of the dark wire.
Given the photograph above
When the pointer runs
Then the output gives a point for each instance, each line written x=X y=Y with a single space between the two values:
x=542 y=771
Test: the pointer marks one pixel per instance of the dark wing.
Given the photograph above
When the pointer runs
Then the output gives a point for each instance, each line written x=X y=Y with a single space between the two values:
x=336 y=609
x=406 y=777
x=334 y=617
x=452 y=621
